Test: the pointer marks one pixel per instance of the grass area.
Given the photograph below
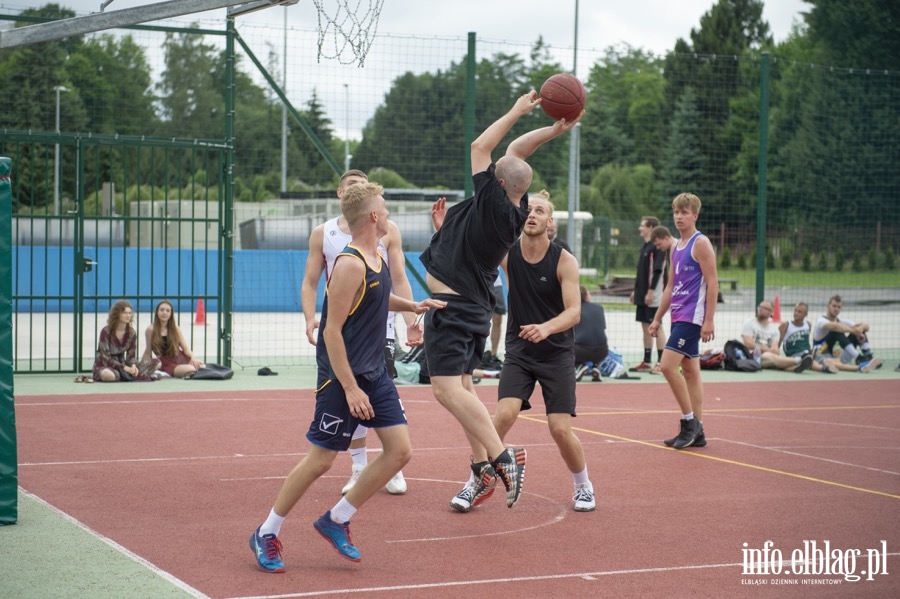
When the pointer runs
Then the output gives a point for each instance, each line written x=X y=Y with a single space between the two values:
x=746 y=278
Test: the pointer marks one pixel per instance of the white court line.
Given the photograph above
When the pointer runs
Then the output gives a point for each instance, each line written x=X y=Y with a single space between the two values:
x=812 y=457
x=151 y=460
x=20 y=404
x=460 y=583
x=792 y=420
x=127 y=553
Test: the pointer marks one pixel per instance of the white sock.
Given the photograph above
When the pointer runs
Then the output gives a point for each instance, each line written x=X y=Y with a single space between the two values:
x=342 y=511
x=359 y=457
x=272 y=525
x=581 y=478
x=688 y=416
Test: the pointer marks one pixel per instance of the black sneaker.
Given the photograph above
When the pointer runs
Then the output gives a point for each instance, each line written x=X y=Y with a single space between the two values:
x=510 y=469
x=690 y=429
x=805 y=363
x=700 y=441
x=580 y=371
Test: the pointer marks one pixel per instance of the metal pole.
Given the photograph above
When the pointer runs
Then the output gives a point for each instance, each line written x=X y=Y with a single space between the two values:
x=347 y=128
x=761 y=177
x=574 y=176
x=58 y=89
x=284 y=111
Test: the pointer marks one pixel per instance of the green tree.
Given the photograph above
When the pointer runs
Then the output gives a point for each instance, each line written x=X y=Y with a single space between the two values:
x=684 y=165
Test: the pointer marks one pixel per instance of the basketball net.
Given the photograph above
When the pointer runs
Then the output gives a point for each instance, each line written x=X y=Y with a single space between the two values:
x=347 y=34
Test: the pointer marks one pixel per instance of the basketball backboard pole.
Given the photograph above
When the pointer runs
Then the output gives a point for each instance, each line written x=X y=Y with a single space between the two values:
x=54 y=30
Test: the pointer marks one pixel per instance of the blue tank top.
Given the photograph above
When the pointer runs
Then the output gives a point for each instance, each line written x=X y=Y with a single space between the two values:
x=363 y=331
x=689 y=286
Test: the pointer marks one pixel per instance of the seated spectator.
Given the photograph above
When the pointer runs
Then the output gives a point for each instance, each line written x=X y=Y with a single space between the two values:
x=117 y=349
x=795 y=340
x=590 y=338
x=843 y=339
x=165 y=339
x=761 y=336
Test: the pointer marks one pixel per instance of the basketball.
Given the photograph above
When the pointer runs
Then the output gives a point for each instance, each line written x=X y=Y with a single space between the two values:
x=563 y=97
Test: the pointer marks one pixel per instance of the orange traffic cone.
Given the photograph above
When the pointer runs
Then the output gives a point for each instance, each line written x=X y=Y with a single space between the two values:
x=200 y=316
x=776 y=313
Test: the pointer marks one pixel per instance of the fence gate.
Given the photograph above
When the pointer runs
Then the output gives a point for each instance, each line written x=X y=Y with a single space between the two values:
x=97 y=219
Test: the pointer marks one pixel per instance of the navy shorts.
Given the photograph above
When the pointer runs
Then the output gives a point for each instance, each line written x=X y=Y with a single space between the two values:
x=455 y=336
x=332 y=425
x=556 y=374
x=685 y=339
x=500 y=299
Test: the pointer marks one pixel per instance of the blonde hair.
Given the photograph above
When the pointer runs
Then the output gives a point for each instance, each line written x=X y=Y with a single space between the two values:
x=172 y=330
x=687 y=200
x=545 y=195
x=356 y=201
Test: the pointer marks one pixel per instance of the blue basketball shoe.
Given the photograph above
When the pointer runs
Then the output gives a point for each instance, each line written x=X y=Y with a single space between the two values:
x=267 y=549
x=338 y=535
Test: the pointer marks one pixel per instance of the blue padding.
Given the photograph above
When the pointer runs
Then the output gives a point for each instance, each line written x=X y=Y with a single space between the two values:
x=264 y=280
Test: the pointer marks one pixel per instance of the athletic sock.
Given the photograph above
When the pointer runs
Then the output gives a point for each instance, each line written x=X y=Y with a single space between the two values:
x=272 y=525
x=647 y=352
x=342 y=511
x=659 y=355
x=689 y=416
x=581 y=478
x=359 y=457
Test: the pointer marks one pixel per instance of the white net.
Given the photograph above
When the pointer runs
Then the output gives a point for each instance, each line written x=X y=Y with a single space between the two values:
x=346 y=32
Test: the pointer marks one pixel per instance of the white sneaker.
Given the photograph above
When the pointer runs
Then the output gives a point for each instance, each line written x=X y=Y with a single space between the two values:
x=397 y=484
x=355 y=471
x=464 y=499
x=584 y=498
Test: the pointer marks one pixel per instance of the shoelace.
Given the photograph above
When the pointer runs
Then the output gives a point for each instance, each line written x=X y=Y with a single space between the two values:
x=583 y=494
x=272 y=547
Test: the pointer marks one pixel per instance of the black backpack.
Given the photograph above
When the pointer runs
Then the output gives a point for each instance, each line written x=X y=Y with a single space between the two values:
x=738 y=358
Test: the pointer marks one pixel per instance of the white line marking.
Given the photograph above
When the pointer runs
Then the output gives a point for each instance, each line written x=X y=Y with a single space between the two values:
x=124 y=551
x=812 y=457
x=459 y=583
x=790 y=420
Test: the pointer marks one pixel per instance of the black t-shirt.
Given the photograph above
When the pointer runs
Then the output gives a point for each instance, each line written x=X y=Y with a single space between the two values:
x=651 y=267
x=535 y=296
x=591 y=330
x=477 y=233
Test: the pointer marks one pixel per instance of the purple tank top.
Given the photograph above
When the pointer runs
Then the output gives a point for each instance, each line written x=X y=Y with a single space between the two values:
x=689 y=286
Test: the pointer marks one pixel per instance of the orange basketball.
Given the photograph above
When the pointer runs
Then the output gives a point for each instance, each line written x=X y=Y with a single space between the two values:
x=563 y=97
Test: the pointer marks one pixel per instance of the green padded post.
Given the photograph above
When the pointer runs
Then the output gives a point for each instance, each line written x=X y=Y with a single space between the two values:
x=8 y=459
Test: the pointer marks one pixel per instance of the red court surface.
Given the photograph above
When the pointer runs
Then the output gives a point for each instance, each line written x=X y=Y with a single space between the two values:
x=181 y=480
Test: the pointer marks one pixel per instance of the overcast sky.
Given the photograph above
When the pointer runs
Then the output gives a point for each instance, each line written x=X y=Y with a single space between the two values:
x=654 y=25
x=651 y=24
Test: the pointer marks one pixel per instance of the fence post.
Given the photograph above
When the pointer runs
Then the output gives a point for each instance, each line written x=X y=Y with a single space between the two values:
x=761 y=189
x=9 y=487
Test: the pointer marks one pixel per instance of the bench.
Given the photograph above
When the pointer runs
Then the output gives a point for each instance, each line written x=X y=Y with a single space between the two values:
x=732 y=283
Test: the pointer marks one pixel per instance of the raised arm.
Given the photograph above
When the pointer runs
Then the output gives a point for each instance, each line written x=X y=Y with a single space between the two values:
x=486 y=142
x=400 y=282
x=525 y=145
x=315 y=266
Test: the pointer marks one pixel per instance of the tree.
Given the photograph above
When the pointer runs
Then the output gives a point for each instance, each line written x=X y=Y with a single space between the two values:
x=684 y=164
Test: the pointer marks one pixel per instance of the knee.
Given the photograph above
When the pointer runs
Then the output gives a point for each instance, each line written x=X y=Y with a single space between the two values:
x=108 y=376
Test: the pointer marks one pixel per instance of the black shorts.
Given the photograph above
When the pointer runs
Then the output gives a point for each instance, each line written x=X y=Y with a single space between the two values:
x=500 y=306
x=644 y=313
x=455 y=336
x=591 y=353
x=556 y=374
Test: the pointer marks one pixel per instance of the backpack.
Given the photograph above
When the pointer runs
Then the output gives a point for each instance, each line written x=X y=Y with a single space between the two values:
x=738 y=358
x=712 y=359
x=412 y=367
x=613 y=365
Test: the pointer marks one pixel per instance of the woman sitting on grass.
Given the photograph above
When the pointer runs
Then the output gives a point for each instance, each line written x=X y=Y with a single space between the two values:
x=166 y=340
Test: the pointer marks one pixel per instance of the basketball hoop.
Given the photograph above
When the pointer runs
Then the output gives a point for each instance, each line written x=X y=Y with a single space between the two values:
x=349 y=31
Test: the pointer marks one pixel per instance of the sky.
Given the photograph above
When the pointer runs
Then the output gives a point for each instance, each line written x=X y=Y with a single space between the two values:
x=654 y=25
x=651 y=24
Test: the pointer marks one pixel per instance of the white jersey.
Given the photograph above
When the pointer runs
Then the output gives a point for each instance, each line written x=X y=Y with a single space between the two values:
x=762 y=335
x=333 y=243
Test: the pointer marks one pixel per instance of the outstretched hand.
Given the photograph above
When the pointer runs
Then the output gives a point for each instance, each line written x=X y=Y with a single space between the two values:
x=438 y=213
x=562 y=125
x=527 y=102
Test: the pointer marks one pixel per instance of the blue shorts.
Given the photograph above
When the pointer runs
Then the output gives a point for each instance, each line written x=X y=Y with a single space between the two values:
x=685 y=339
x=332 y=425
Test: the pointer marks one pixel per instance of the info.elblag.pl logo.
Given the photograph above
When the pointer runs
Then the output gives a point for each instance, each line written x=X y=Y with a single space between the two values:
x=814 y=558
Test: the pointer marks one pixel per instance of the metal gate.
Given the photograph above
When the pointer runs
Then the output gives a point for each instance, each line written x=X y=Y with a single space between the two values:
x=100 y=218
